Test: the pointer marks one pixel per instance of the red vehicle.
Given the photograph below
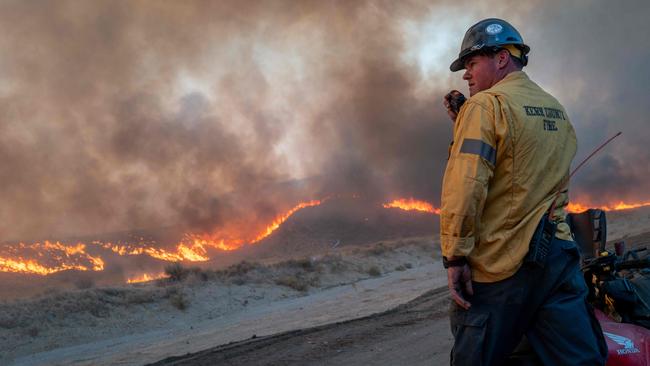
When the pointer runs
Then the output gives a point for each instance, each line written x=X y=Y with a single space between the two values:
x=619 y=290
x=628 y=344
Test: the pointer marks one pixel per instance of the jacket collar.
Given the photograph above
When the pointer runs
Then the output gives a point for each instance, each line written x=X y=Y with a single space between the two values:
x=512 y=77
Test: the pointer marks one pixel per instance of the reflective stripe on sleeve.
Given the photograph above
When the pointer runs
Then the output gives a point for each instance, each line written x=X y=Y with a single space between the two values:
x=480 y=148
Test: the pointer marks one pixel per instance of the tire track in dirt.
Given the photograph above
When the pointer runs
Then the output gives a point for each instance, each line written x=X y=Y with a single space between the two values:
x=413 y=333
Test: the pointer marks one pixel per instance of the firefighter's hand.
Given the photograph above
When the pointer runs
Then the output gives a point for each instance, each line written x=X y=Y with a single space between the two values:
x=459 y=280
x=447 y=102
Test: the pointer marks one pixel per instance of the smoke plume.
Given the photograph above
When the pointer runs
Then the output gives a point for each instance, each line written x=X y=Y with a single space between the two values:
x=119 y=115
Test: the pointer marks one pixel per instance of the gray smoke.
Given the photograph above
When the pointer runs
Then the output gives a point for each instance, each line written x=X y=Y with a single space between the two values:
x=119 y=115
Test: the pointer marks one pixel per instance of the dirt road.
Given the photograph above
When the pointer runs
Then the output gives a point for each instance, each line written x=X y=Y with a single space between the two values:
x=416 y=333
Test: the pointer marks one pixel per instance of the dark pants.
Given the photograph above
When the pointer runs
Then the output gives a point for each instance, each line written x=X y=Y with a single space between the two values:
x=547 y=305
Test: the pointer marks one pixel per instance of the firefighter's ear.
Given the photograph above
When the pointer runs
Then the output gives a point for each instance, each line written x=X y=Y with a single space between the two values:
x=503 y=57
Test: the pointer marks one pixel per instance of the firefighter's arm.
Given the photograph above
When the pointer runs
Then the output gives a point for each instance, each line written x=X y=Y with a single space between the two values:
x=465 y=184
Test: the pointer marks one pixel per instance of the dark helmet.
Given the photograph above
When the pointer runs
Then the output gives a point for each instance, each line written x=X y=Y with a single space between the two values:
x=486 y=34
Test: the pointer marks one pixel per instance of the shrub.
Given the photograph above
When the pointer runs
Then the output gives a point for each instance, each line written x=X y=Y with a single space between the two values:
x=239 y=281
x=32 y=331
x=378 y=249
x=196 y=275
x=199 y=274
x=109 y=291
x=176 y=272
x=177 y=298
x=304 y=263
x=374 y=271
x=178 y=301
x=8 y=321
x=404 y=267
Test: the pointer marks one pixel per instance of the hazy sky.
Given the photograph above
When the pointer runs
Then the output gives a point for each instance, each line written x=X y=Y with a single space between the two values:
x=127 y=114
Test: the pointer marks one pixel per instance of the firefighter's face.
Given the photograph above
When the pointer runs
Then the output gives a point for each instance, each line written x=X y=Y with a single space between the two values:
x=481 y=72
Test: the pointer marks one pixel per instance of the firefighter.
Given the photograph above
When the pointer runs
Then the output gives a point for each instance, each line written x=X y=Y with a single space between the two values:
x=508 y=164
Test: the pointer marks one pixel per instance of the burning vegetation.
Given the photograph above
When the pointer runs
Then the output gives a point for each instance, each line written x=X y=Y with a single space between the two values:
x=145 y=277
x=409 y=204
x=49 y=257
x=52 y=258
x=578 y=207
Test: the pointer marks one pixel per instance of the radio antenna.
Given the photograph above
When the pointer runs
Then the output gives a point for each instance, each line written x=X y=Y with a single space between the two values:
x=566 y=180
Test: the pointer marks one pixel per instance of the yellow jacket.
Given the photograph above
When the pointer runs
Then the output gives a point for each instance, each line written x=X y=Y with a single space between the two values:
x=512 y=150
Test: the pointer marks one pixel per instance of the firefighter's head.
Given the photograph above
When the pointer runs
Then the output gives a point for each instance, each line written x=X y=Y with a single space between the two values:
x=491 y=49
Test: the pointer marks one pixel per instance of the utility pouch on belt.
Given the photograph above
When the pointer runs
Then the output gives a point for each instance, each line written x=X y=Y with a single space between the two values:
x=540 y=244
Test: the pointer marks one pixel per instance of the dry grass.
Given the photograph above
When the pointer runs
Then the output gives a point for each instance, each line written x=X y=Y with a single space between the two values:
x=242 y=273
x=292 y=282
x=300 y=283
x=8 y=322
x=298 y=274
x=140 y=297
x=84 y=283
x=177 y=297
x=335 y=264
x=60 y=308
x=57 y=309
x=176 y=272
x=305 y=264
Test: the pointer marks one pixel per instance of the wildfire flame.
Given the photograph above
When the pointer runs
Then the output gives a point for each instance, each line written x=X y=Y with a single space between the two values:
x=145 y=277
x=282 y=218
x=51 y=257
x=63 y=257
x=409 y=204
x=578 y=207
x=48 y=257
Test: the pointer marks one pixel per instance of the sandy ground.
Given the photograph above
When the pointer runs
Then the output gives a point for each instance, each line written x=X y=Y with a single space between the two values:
x=332 y=305
x=217 y=314
x=627 y=223
x=416 y=333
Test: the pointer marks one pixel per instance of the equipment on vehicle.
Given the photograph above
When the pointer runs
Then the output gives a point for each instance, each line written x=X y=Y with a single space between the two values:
x=619 y=290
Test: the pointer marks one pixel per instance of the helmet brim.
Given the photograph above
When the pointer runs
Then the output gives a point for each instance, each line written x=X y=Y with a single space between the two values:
x=458 y=64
